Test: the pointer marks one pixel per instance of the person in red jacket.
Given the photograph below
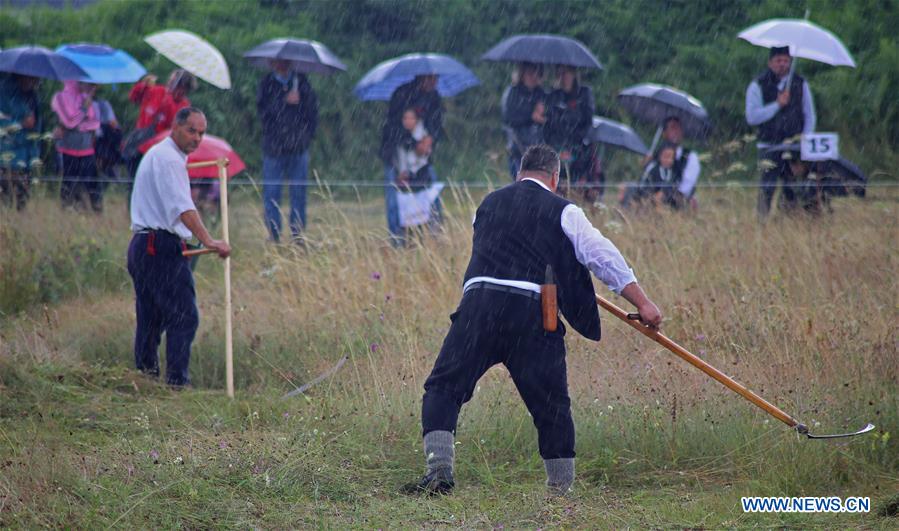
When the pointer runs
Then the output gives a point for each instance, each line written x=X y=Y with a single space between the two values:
x=158 y=106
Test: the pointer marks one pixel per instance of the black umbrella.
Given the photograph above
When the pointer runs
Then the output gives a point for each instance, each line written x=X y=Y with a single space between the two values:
x=612 y=133
x=37 y=61
x=838 y=177
x=543 y=49
x=842 y=177
x=304 y=55
x=652 y=104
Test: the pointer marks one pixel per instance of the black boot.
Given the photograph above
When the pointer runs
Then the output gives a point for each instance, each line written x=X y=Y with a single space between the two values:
x=435 y=482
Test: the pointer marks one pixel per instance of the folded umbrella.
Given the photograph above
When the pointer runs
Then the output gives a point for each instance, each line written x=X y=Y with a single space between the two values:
x=194 y=54
x=304 y=55
x=543 y=49
x=211 y=148
x=37 y=61
x=381 y=81
x=102 y=63
x=616 y=134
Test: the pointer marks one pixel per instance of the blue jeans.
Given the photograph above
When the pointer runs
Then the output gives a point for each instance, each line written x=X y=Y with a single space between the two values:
x=397 y=233
x=275 y=170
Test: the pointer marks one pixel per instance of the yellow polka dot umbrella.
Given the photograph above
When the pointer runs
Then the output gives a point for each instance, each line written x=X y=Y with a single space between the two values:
x=194 y=54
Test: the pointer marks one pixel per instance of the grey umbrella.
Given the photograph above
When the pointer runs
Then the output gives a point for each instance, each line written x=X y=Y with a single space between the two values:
x=651 y=104
x=612 y=133
x=543 y=49
x=304 y=55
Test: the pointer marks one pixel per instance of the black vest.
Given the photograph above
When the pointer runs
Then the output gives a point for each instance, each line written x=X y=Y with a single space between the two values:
x=681 y=163
x=517 y=233
x=789 y=120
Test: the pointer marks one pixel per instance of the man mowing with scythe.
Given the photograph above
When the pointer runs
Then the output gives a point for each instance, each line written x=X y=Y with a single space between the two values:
x=524 y=234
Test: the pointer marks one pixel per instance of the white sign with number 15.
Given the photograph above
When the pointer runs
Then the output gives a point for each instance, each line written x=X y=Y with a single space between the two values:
x=820 y=146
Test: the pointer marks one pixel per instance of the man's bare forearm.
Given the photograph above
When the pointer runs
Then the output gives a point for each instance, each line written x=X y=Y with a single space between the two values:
x=192 y=221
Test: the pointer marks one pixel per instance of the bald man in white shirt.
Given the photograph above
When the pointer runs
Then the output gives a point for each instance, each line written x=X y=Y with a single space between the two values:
x=163 y=217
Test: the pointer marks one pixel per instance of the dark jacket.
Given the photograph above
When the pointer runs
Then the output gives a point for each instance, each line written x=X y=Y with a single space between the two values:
x=286 y=129
x=518 y=104
x=789 y=120
x=517 y=233
x=568 y=117
x=429 y=108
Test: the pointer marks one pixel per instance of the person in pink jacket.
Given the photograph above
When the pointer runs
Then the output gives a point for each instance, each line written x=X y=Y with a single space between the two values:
x=78 y=124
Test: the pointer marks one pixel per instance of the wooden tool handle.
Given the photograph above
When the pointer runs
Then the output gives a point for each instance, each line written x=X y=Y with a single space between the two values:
x=697 y=362
x=196 y=252
x=550 y=305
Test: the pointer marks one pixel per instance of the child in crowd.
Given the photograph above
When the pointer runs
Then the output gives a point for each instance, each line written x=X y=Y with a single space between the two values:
x=413 y=153
x=659 y=182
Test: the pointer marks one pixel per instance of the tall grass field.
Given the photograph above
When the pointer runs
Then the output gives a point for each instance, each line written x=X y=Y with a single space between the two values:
x=803 y=310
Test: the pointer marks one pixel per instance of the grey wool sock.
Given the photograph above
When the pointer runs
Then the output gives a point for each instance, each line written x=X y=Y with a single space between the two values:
x=439 y=450
x=559 y=474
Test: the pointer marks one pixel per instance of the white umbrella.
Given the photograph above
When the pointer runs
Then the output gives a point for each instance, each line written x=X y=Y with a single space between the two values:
x=805 y=39
x=194 y=54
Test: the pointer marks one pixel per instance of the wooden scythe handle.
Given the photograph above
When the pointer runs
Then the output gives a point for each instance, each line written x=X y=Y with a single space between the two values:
x=697 y=362
x=196 y=252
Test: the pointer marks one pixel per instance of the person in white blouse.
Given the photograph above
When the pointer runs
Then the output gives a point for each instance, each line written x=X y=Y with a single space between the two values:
x=520 y=231
x=780 y=104
x=163 y=217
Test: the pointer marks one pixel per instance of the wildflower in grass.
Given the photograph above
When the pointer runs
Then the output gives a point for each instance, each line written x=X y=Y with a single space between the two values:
x=373 y=347
x=375 y=275
x=700 y=337
x=223 y=444
x=154 y=455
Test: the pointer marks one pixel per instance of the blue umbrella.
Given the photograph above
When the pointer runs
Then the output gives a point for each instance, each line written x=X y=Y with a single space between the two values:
x=612 y=133
x=102 y=63
x=380 y=82
x=543 y=49
x=304 y=55
x=37 y=61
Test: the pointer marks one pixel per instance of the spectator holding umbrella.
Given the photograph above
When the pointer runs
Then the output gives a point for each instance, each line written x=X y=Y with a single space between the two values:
x=288 y=108
x=78 y=126
x=288 y=111
x=414 y=81
x=569 y=115
x=686 y=161
x=419 y=95
x=20 y=123
x=780 y=111
x=524 y=112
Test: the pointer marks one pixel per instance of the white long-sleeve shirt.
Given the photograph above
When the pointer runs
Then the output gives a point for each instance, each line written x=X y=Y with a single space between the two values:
x=757 y=112
x=592 y=249
x=690 y=175
x=162 y=190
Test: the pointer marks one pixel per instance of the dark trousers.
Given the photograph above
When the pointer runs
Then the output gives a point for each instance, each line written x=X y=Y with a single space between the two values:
x=775 y=169
x=166 y=302
x=491 y=327
x=79 y=178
